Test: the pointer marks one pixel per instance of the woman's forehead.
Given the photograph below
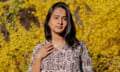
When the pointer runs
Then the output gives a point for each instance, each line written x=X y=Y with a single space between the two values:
x=59 y=11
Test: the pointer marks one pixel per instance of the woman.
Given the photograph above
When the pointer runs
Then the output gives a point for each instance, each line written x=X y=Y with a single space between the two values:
x=61 y=52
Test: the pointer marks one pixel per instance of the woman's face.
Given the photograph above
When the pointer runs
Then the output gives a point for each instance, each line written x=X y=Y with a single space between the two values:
x=58 y=20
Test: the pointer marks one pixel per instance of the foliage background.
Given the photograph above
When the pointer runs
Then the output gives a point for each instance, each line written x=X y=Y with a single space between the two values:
x=21 y=28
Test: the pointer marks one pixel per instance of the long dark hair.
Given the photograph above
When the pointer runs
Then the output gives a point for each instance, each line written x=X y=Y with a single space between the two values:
x=69 y=32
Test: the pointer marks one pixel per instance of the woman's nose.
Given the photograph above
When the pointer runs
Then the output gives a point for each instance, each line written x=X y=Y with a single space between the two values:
x=60 y=21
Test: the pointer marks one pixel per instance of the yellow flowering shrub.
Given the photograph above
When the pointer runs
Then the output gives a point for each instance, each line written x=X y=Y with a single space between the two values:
x=97 y=25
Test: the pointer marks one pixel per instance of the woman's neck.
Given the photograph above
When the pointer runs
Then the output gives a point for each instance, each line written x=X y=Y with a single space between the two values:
x=58 y=41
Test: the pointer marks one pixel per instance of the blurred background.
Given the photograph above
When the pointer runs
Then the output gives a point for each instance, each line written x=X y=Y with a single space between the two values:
x=21 y=28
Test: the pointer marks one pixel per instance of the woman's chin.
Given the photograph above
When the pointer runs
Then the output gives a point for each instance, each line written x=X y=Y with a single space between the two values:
x=59 y=31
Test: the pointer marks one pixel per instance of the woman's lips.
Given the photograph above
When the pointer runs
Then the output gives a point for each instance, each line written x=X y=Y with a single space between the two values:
x=59 y=27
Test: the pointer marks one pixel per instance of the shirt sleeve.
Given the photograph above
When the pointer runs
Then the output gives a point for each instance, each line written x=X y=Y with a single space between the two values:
x=33 y=56
x=86 y=59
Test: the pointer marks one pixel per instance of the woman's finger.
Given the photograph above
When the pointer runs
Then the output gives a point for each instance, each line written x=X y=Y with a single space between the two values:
x=48 y=45
x=50 y=51
x=50 y=48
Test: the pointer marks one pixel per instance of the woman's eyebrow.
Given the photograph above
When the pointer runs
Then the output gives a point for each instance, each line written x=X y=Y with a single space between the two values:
x=56 y=15
x=59 y=16
x=64 y=16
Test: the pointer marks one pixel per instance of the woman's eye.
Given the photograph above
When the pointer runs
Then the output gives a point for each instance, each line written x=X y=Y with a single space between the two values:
x=65 y=18
x=55 y=17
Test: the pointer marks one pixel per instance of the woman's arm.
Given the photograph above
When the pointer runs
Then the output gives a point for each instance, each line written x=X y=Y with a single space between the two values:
x=36 y=67
x=38 y=54
x=86 y=60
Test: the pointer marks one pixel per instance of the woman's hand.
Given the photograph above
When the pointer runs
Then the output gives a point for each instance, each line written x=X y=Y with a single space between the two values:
x=44 y=51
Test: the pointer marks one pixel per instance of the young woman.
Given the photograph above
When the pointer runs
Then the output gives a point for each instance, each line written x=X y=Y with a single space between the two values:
x=61 y=52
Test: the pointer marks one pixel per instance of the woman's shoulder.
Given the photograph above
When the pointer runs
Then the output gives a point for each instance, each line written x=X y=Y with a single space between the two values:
x=39 y=45
x=82 y=45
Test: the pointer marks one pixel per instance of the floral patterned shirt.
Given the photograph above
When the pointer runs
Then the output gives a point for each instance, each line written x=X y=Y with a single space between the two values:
x=65 y=60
